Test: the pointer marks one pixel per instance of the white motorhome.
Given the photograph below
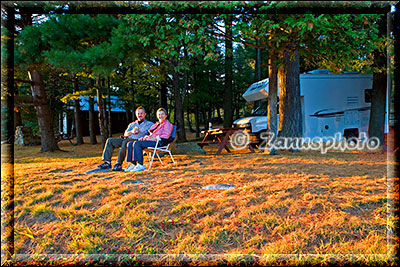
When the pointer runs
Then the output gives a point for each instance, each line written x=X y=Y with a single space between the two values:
x=330 y=104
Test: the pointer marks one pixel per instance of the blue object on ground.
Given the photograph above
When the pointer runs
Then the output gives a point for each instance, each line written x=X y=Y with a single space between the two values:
x=60 y=170
x=131 y=182
x=107 y=178
x=219 y=186
x=98 y=170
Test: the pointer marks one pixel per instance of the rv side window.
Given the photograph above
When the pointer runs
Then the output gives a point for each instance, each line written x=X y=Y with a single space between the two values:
x=367 y=95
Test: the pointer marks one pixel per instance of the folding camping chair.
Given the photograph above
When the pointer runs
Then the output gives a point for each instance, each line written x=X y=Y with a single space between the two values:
x=156 y=149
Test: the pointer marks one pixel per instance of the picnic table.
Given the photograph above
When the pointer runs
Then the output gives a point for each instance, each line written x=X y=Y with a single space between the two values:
x=221 y=136
x=63 y=136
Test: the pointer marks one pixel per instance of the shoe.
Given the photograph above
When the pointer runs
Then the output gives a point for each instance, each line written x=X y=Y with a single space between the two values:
x=117 y=167
x=130 y=167
x=138 y=168
x=105 y=165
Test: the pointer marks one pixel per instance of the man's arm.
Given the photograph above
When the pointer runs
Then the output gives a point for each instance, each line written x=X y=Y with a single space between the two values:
x=144 y=130
x=129 y=129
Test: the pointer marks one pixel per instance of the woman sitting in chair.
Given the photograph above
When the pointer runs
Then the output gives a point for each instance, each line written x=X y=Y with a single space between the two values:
x=161 y=129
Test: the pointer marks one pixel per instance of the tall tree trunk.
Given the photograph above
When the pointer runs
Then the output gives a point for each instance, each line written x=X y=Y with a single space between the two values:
x=78 y=121
x=185 y=78
x=109 y=108
x=92 y=128
x=290 y=119
x=44 y=116
x=180 y=121
x=237 y=108
x=17 y=117
x=127 y=115
x=17 y=112
x=100 y=105
x=379 y=86
x=257 y=74
x=204 y=115
x=209 y=115
x=73 y=127
x=26 y=20
x=228 y=118
x=104 y=109
x=133 y=95
x=163 y=100
x=189 y=121
x=272 y=100
x=197 y=119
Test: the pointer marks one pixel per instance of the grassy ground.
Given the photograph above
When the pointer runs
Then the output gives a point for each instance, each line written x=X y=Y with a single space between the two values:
x=291 y=208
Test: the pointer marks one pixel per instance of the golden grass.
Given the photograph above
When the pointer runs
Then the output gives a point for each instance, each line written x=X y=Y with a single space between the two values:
x=291 y=208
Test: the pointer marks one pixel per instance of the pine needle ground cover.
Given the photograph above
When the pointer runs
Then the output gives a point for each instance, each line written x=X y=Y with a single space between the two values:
x=290 y=208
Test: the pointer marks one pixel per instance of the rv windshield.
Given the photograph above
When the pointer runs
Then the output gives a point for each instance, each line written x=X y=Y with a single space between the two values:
x=260 y=111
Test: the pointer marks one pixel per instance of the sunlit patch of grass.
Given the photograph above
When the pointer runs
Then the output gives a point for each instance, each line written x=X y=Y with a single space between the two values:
x=286 y=226
x=82 y=205
x=72 y=194
x=42 y=197
x=182 y=208
x=85 y=237
x=207 y=237
x=135 y=217
x=58 y=190
x=115 y=214
x=41 y=209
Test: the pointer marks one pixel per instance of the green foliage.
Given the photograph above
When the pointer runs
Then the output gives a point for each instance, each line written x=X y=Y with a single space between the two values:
x=78 y=48
x=333 y=41
x=169 y=34
x=29 y=47
x=137 y=51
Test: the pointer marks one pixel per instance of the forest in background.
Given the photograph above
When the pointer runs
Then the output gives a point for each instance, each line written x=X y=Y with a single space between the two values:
x=194 y=63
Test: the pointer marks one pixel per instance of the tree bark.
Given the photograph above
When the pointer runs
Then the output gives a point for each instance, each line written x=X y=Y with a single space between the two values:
x=209 y=115
x=228 y=74
x=100 y=105
x=272 y=100
x=189 y=121
x=163 y=101
x=127 y=115
x=257 y=74
x=17 y=112
x=78 y=121
x=204 y=115
x=290 y=119
x=180 y=121
x=109 y=108
x=378 y=99
x=92 y=128
x=45 y=119
x=133 y=96
x=197 y=119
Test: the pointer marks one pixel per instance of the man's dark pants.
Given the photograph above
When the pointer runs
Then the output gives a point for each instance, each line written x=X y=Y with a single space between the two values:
x=114 y=143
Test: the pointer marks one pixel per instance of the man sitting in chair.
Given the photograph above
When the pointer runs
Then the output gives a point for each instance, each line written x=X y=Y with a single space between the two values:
x=161 y=129
x=134 y=131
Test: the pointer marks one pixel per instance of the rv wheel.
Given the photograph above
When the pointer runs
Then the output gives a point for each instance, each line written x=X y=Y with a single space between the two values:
x=351 y=139
x=351 y=135
x=261 y=134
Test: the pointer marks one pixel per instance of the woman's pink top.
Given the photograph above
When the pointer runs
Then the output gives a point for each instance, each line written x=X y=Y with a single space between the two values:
x=163 y=129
